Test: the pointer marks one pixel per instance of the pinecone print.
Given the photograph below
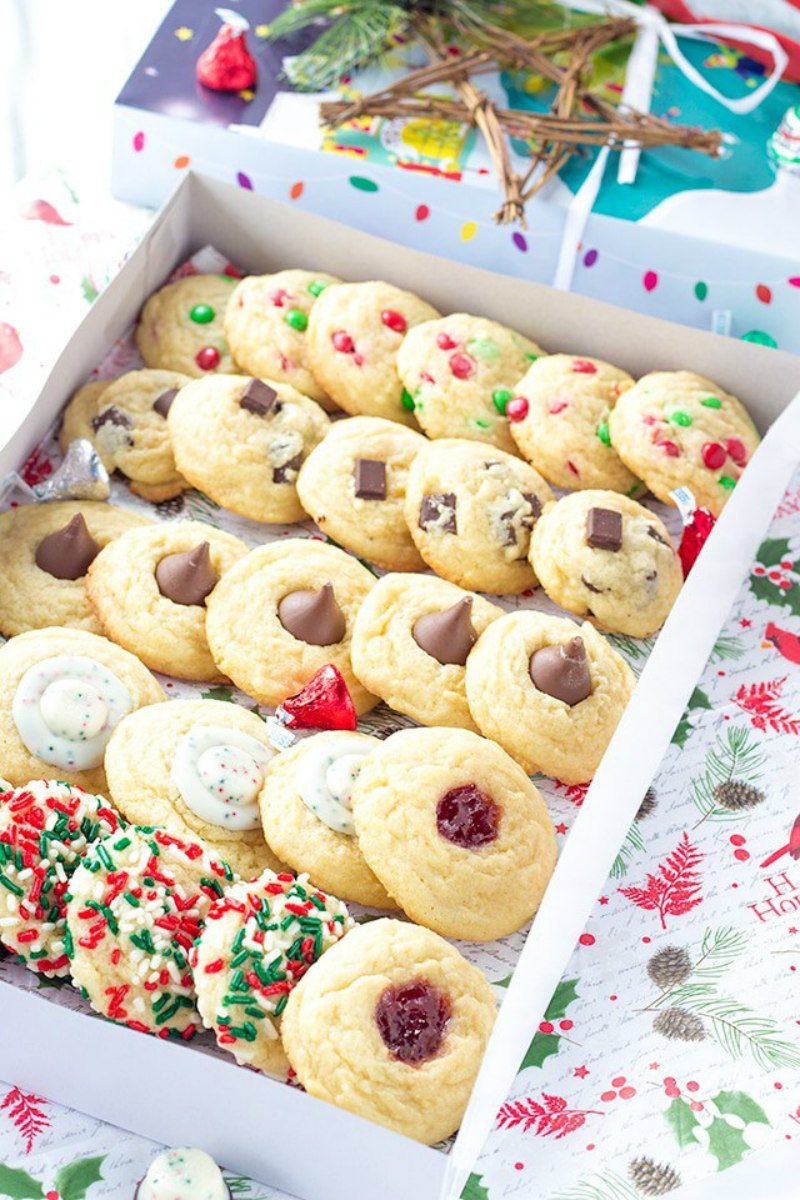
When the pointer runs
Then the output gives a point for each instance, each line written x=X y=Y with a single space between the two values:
x=648 y=805
x=170 y=508
x=652 y=1178
x=669 y=967
x=680 y=1025
x=736 y=796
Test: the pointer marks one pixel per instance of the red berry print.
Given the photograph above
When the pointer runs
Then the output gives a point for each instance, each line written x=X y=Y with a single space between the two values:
x=394 y=321
x=207 y=358
x=342 y=342
x=462 y=366
x=713 y=455
x=582 y=366
x=587 y=939
x=737 y=451
x=545 y=1027
x=445 y=342
x=517 y=408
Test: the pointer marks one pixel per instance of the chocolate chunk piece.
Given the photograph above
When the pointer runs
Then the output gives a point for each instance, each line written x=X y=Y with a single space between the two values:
x=67 y=553
x=604 y=529
x=655 y=535
x=163 y=403
x=370 y=476
x=258 y=398
x=587 y=583
x=438 y=511
x=111 y=416
x=447 y=636
x=562 y=671
x=313 y=617
x=530 y=519
x=287 y=472
x=187 y=578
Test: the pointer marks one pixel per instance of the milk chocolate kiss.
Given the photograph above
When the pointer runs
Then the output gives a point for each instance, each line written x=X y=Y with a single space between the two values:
x=447 y=636
x=313 y=617
x=187 y=578
x=69 y=552
x=562 y=671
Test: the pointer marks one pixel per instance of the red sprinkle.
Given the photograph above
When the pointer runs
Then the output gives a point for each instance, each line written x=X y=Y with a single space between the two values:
x=713 y=455
x=342 y=342
x=207 y=358
x=582 y=366
x=517 y=408
x=27 y=935
x=462 y=366
x=394 y=321
x=214 y=967
x=737 y=451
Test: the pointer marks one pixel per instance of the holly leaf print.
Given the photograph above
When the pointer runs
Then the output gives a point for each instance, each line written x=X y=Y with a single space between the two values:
x=17 y=1184
x=761 y=703
x=697 y=700
x=474 y=1189
x=675 y=888
x=544 y=1045
x=739 y=1104
x=682 y=1122
x=26 y=1112
x=773 y=551
x=726 y=1143
x=75 y=1180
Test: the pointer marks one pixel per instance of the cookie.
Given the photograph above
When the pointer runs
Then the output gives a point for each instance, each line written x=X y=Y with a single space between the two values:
x=62 y=693
x=188 y=1173
x=182 y=326
x=284 y=611
x=46 y=550
x=354 y=333
x=455 y=831
x=354 y=485
x=459 y=374
x=305 y=811
x=411 y=639
x=150 y=588
x=242 y=442
x=676 y=429
x=559 y=422
x=471 y=510
x=137 y=903
x=196 y=767
x=266 y=322
x=391 y=1024
x=126 y=422
x=46 y=828
x=603 y=556
x=257 y=944
x=550 y=692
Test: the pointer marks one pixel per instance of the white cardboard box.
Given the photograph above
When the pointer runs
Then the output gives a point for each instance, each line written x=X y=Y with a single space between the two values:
x=167 y=1091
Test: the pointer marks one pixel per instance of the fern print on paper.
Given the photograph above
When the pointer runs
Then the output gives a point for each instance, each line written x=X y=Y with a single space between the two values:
x=761 y=702
x=549 y=1117
x=26 y=1112
x=729 y=788
x=674 y=888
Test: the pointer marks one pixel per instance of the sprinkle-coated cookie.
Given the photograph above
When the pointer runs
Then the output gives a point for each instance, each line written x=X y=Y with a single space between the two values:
x=285 y=610
x=257 y=944
x=605 y=557
x=391 y=1025
x=559 y=421
x=149 y=591
x=266 y=322
x=182 y=326
x=354 y=486
x=126 y=422
x=137 y=903
x=62 y=692
x=46 y=550
x=548 y=691
x=455 y=831
x=410 y=642
x=459 y=374
x=306 y=814
x=676 y=429
x=195 y=767
x=354 y=333
x=243 y=441
x=46 y=828
x=470 y=509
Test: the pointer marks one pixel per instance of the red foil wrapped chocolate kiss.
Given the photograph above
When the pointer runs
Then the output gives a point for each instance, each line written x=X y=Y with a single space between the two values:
x=227 y=65
x=697 y=525
x=324 y=703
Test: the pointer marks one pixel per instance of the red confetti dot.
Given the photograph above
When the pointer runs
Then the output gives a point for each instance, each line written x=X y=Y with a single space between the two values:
x=612 y=997
x=590 y=1146
x=207 y=358
x=296 y=190
x=763 y=293
x=737 y=451
x=517 y=410
x=618 y=1081
x=627 y=1093
x=778 y=1087
x=607 y=1097
x=138 y=142
x=519 y=1166
x=422 y=212
x=394 y=320
x=737 y=839
x=586 y=939
x=462 y=367
x=794 y=281
x=55 y=279
x=545 y=1027
x=713 y=455
x=342 y=342
x=650 y=280
x=647 y=940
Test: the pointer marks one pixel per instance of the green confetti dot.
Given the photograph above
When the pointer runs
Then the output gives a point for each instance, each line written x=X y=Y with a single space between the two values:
x=711 y=402
x=201 y=314
x=362 y=184
x=500 y=398
x=604 y=433
x=297 y=319
x=408 y=400
x=680 y=418
x=701 y=290
x=760 y=338
x=726 y=482
x=316 y=287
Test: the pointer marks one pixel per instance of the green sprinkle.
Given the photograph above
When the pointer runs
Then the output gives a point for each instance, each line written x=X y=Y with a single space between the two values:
x=726 y=482
x=168 y=1013
x=201 y=314
x=680 y=418
x=711 y=402
x=129 y=896
x=604 y=433
x=105 y=857
x=12 y=887
x=407 y=400
x=500 y=398
x=237 y=941
x=317 y=287
x=482 y=424
x=240 y=958
x=238 y=982
x=281 y=1005
x=122 y=844
x=297 y=319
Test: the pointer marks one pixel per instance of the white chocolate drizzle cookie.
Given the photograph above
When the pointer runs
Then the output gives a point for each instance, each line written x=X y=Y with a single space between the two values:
x=219 y=773
x=185 y=1173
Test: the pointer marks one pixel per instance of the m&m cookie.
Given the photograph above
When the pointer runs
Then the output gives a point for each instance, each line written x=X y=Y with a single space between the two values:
x=182 y=326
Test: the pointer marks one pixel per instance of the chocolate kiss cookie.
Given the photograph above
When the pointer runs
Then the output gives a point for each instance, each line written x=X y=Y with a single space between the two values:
x=447 y=636
x=187 y=578
x=313 y=617
x=562 y=671
x=69 y=552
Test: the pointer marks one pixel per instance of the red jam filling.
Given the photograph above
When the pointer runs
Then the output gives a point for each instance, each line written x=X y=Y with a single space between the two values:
x=467 y=817
x=412 y=1020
